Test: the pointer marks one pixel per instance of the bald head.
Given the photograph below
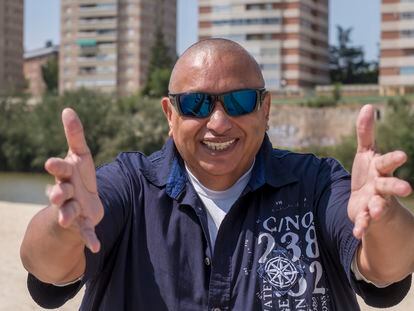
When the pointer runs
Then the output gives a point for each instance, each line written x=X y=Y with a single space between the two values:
x=215 y=65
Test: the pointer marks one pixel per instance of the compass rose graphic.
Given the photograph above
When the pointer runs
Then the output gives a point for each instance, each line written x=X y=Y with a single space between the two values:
x=281 y=273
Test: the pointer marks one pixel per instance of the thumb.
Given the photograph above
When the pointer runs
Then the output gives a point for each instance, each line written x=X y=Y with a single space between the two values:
x=365 y=129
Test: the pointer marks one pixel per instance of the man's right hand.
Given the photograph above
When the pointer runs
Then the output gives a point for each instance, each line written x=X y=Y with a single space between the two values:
x=75 y=192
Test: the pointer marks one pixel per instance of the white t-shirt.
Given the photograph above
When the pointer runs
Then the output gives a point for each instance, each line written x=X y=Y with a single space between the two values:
x=218 y=203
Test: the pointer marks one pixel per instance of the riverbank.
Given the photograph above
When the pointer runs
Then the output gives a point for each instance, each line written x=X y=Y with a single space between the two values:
x=14 y=218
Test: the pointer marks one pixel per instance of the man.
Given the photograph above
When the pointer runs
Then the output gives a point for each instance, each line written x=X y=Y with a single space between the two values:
x=217 y=219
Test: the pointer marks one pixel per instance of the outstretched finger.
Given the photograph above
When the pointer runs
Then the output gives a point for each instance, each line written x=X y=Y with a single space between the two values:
x=392 y=186
x=389 y=162
x=361 y=224
x=88 y=235
x=58 y=168
x=59 y=193
x=68 y=213
x=365 y=129
x=377 y=207
x=74 y=132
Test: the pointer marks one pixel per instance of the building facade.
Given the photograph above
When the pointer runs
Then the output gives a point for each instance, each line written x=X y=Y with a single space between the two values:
x=288 y=38
x=397 y=47
x=105 y=44
x=34 y=60
x=11 y=46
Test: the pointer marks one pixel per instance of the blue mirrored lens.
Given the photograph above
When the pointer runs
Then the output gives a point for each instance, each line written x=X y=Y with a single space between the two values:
x=195 y=104
x=240 y=102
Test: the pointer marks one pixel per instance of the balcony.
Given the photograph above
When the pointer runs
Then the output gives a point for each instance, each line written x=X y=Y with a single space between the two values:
x=98 y=10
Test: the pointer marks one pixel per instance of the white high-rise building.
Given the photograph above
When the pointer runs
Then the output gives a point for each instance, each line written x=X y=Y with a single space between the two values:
x=397 y=47
x=106 y=44
x=288 y=38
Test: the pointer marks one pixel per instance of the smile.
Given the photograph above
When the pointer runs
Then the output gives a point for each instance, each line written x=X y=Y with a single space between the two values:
x=218 y=145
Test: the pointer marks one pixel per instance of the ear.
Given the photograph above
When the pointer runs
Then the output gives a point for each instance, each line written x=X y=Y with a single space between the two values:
x=167 y=109
x=266 y=105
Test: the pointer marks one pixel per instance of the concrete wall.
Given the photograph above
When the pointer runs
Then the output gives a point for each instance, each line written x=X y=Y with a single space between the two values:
x=295 y=127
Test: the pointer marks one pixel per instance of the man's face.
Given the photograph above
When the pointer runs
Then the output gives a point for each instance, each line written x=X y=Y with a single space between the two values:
x=218 y=149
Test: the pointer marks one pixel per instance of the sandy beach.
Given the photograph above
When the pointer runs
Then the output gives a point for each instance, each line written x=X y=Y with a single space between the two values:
x=14 y=218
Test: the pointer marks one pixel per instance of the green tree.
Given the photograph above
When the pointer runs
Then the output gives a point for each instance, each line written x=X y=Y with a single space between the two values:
x=396 y=133
x=347 y=64
x=92 y=107
x=140 y=125
x=16 y=147
x=50 y=73
x=160 y=67
x=29 y=134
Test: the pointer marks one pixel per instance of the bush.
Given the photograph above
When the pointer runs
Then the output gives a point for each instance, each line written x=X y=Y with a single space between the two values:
x=29 y=135
x=16 y=146
x=396 y=133
x=140 y=125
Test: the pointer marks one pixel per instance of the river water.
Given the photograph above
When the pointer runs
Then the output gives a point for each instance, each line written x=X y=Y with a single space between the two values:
x=24 y=187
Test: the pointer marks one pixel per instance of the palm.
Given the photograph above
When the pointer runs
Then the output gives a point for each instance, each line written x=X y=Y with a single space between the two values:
x=372 y=186
x=75 y=192
x=84 y=181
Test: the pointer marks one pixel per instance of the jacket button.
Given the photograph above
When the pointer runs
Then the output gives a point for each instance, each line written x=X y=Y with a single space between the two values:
x=207 y=262
x=216 y=309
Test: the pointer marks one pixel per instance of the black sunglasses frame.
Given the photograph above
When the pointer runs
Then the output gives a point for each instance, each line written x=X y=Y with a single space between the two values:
x=260 y=96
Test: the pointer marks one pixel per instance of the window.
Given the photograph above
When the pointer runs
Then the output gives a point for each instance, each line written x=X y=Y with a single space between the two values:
x=235 y=37
x=222 y=8
x=272 y=83
x=96 y=20
x=104 y=32
x=269 y=66
x=407 y=15
x=87 y=70
x=259 y=6
x=265 y=36
x=269 y=51
x=99 y=6
x=248 y=21
x=105 y=69
x=106 y=44
x=407 y=33
x=92 y=83
x=407 y=70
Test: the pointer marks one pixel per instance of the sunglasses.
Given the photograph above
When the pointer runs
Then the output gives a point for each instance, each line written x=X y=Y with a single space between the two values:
x=201 y=105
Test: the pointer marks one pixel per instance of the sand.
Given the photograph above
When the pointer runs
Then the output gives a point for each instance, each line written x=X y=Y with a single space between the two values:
x=14 y=295
x=14 y=218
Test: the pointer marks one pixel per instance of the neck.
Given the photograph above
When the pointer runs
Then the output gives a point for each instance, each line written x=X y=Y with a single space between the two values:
x=219 y=182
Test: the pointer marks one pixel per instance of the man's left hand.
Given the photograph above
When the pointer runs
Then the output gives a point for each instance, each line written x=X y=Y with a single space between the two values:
x=373 y=188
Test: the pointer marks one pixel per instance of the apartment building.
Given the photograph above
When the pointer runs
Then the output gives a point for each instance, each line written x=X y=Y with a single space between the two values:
x=11 y=46
x=105 y=44
x=397 y=47
x=34 y=60
x=288 y=38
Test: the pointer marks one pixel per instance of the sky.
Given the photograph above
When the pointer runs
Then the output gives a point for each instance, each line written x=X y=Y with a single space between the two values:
x=42 y=18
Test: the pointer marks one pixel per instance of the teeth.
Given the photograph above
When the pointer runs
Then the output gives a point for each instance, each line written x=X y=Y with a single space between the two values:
x=218 y=146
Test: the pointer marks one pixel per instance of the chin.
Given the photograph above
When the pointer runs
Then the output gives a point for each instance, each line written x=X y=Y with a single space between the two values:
x=218 y=169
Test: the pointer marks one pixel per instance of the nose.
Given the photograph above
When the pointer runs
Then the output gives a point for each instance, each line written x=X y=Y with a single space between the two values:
x=219 y=121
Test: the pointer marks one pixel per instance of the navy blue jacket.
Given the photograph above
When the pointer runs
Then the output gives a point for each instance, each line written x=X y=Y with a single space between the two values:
x=286 y=243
